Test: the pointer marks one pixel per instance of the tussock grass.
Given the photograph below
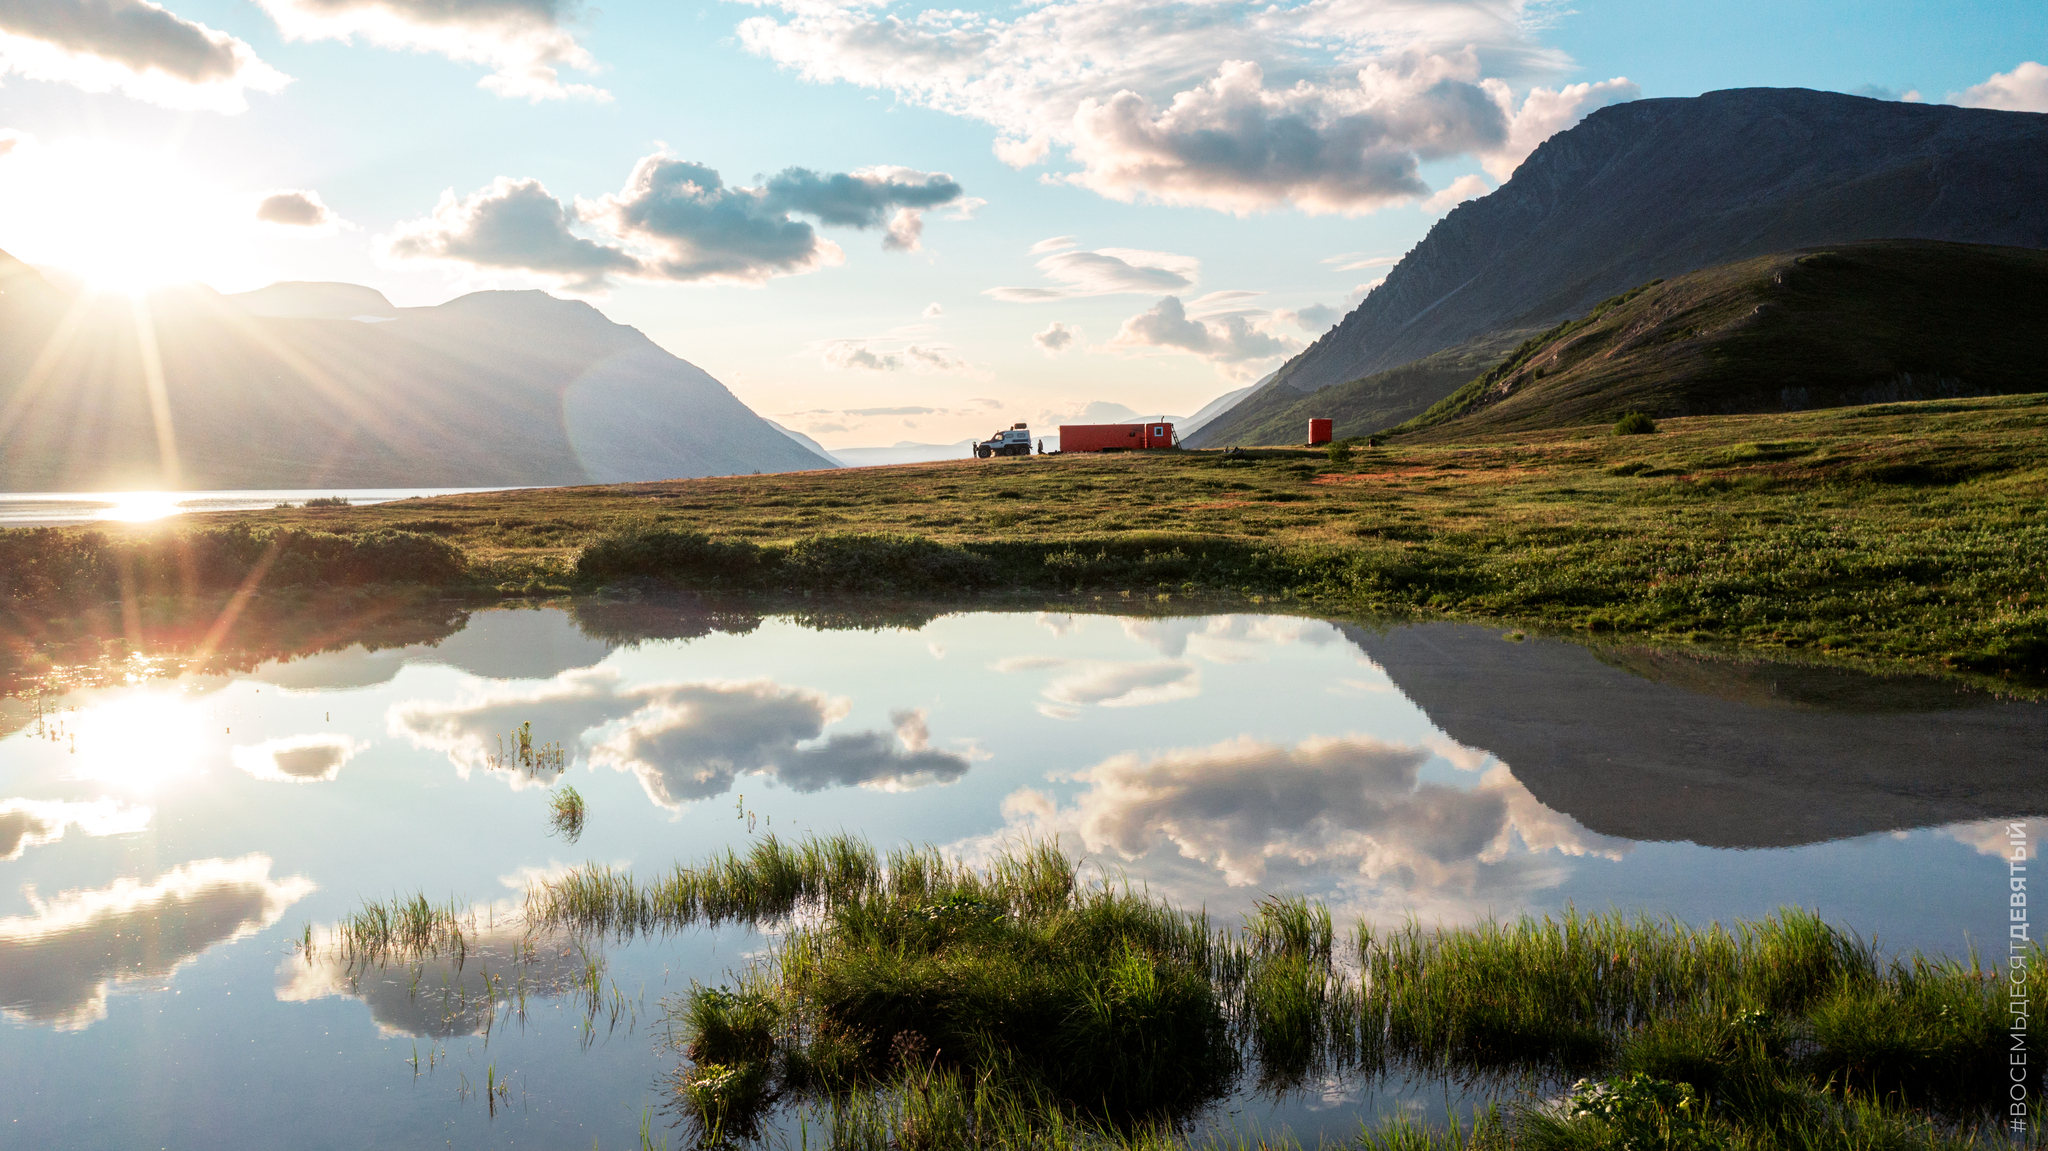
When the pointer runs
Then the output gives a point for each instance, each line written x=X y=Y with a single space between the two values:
x=913 y=1001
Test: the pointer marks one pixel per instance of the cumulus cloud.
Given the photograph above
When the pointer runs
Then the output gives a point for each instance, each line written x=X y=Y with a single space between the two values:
x=525 y=42
x=295 y=208
x=1350 y=812
x=58 y=963
x=1326 y=105
x=1544 y=113
x=1056 y=338
x=514 y=225
x=297 y=758
x=675 y=221
x=2024 y=89
x=1105 y=272
x=26 y=823
x=1466 y=187
x=440 y=996
x=134 y=47
x=933 y=311
x=1230 y=340
x=688 y=741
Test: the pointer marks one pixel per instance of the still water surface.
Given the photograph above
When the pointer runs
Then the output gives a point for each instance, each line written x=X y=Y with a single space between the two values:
x=49 y=509
x=168 y=843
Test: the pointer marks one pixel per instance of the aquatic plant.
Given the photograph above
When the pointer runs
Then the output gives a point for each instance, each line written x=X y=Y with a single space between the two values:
x=565 y=814
x=912 y=1000
x=406 y=926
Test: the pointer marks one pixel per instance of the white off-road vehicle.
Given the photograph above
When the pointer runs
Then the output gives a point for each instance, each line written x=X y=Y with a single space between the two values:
x=1014 y=440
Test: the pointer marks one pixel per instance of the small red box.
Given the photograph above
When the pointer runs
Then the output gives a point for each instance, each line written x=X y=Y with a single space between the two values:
x=1318 y=432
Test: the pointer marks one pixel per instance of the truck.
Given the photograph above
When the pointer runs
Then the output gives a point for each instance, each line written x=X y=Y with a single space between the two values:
x=1115 y=437
x=1014 y=440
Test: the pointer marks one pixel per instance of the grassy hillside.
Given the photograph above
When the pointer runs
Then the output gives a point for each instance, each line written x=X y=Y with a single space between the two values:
x=1280 y=414
x=1848 y=324
x=1909 y=533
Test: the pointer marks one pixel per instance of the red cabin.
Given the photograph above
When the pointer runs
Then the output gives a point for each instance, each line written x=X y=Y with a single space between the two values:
x=1107 y=437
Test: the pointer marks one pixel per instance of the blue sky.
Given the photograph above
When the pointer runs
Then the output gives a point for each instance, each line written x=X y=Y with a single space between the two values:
x=1207 y=184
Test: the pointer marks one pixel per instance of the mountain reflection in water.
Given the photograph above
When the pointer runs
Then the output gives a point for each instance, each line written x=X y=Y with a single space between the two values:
x=189 y=812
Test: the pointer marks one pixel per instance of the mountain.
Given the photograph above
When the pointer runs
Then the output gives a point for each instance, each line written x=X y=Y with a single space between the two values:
x=1216 y=407
x=814 y=447
x=1876 y=322
x=1658 y=188
x=904 y=452
x=1655 y=746
x=191 y=389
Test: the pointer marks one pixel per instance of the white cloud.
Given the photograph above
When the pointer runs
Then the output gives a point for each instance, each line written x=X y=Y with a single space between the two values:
x=1543 y=114
x=297 y=758
x=1351 y=813
x=1466 y=187
x=298 y=209
x=26 y=823
x=687 y=741
x=880 y=355
x=134 y=47
x=933 y=311
x=65 y=956
x=2024 y=89
x=1231 y=340
x=1056 y=338
x=1054 y=244
x=525 y=42
x=1325 y=105
x=1104 y=272
x=1108 y=683
x=675 y=221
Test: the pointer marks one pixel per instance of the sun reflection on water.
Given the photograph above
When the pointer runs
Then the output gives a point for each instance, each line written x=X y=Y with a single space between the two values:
x=139 y=743
x=139 y=507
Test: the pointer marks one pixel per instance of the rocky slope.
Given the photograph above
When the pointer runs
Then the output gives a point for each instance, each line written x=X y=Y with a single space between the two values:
x=1878 y=322
x=1658 y=188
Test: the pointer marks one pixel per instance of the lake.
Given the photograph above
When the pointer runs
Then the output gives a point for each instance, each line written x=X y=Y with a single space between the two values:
x=50 y=509
x=178 y=839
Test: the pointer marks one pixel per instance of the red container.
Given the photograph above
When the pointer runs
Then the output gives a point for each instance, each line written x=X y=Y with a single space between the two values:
x=1318 y=432
x=1107 y=437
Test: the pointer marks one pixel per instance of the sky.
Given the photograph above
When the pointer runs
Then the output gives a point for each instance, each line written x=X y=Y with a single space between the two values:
x=877 y=222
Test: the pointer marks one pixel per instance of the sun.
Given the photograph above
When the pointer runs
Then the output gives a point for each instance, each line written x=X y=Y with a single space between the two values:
x=141 y=743
x=120 y=218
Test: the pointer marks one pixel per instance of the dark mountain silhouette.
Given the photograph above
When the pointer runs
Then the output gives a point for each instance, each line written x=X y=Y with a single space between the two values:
x=1656 y=746
x=276 y=389
x=1659 y=188
x=1876 y=322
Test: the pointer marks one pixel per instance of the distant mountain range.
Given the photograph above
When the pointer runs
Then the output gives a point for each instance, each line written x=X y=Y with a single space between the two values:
x=1650 y=189
x=309 y=385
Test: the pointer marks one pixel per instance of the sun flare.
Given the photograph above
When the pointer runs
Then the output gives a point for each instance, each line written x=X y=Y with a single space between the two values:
x=140 y=743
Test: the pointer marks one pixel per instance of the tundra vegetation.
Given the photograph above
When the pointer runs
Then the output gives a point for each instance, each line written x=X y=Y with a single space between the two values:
x=1895 y=534
x=913 y=1001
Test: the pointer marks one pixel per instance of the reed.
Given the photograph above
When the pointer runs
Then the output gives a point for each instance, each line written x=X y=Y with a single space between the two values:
x=566 y=813
x=404 y=927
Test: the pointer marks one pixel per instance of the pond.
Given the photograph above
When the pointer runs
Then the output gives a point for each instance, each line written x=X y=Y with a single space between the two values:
x=180 y=838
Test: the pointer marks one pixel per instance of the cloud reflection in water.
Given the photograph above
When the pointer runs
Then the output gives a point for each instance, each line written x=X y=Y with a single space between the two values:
x=297 y=758
x=440 y=997
x=1348 y=815
x=688 y=741
x=26 y=823
x=57 y=965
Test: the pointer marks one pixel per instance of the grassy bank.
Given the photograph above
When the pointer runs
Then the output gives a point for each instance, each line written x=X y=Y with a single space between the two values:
x=1909 y=534
x=915 y=1002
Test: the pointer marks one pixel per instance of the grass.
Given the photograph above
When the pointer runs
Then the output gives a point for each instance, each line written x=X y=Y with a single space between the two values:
x=565 y=814
x=1899 y=535
x=911 y=1001
x=406 y=927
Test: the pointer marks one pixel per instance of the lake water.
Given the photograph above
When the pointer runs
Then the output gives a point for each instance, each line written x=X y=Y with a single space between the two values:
x=50 y=509
x=170 y=841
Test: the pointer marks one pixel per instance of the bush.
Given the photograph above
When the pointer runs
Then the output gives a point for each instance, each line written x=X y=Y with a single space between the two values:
x=1635 y=424
x=869 y=563
x=687 y=557
x=1340 y=454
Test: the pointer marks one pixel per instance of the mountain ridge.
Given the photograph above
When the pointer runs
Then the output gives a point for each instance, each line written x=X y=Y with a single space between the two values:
x=491 y=388
x=1689 y=183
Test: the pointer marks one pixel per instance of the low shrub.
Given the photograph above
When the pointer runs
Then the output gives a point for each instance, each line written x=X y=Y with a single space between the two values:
x=1635 y=424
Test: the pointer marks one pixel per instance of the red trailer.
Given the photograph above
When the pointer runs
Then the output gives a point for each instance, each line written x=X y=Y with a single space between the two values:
x=1318 y=432
x=1110 y=437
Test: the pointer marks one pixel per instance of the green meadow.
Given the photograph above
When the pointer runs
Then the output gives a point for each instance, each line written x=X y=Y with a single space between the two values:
x=1890 y=536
